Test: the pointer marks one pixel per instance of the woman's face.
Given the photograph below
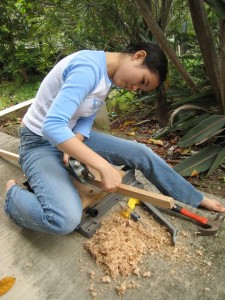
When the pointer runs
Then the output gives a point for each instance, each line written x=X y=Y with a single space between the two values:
x=132 y=75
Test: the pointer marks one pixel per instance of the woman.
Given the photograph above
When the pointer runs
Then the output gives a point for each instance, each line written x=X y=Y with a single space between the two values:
x=59 y=124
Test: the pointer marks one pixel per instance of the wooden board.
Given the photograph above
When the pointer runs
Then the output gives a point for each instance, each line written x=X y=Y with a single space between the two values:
x=9 y=155
x=142 y=195
x=18 y=107
x=94 y=193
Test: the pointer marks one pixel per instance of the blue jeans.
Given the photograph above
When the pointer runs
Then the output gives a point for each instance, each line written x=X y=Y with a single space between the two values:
x=55 y=206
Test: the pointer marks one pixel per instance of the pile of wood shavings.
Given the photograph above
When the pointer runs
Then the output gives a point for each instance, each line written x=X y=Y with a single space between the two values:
x=120 y=244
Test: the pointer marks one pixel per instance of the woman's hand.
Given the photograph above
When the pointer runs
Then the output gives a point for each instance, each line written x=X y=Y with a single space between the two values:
x=110 y=179
x=66 y=159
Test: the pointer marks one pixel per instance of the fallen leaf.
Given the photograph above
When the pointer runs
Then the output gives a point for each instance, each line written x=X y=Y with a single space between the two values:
x=194 y=173
x=130 y=133
x=156 y=142
x=134 y=128
x=128 y=123
x=6 y=283
x=222 y=179
x=182 y=150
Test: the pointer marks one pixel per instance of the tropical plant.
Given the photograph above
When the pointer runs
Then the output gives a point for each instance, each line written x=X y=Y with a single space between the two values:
x=214 y=54
x=209 y=129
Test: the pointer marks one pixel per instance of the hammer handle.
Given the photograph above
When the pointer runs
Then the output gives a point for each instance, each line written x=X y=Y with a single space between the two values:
x=190 y=214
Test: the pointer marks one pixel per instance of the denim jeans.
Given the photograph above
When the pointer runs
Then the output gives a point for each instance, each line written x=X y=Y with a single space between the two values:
x=55 y=206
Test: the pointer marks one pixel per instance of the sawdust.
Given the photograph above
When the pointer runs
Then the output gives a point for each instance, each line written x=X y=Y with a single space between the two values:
x=120 y=245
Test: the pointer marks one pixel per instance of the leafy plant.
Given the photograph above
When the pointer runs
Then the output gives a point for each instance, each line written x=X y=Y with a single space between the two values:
x=205 y=130
x=198 y=126
x=200 y=162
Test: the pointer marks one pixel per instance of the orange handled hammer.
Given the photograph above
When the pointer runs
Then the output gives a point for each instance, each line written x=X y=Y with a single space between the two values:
x=209 y=226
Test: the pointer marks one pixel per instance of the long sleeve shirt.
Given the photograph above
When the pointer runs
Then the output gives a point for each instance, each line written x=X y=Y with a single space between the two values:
x=69 y=97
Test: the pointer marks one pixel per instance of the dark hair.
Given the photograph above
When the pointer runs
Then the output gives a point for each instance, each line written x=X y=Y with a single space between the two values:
x=155 y=60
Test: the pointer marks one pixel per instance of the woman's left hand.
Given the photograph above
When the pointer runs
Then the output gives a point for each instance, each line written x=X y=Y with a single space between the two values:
x=66 y=159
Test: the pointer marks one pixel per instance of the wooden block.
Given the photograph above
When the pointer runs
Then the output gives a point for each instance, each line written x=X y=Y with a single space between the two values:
x=90 y=195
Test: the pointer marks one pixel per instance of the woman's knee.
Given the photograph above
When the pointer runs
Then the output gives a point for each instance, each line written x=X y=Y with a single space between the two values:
x=142 y=150
x=66 y=224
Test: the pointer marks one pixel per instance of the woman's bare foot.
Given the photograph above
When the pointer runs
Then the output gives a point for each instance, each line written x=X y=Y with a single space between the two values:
x=9 y=184
x=212 y=205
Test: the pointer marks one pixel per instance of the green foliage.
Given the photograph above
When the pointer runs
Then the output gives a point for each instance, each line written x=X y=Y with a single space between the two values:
x=11 y=93
x=197 y=126
x=218 y=6
x=120 y=102
x=220 y=158
x=34 y=35
x=203 y=131
x=199 y=162
x=204 y=98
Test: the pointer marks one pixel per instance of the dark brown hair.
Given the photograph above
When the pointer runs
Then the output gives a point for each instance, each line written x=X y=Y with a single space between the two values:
x=155 y=59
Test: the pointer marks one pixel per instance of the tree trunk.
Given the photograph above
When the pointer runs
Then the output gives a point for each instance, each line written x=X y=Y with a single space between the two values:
x=24 y=74
x=207 y=45
x=164 y=15
x=162 y=107
x=222 y=63
x=161 y=39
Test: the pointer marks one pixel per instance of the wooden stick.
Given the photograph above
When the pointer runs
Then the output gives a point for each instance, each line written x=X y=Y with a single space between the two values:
x=124 y=189
x=16 y=107
x=10 y=155
x=142 y=195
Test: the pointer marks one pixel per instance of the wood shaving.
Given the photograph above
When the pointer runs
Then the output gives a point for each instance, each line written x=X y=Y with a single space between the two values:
x=146 y=274
x=137 y=272
x=124 y=286
x=106 y=279
x=120 y=244
x=91 y=274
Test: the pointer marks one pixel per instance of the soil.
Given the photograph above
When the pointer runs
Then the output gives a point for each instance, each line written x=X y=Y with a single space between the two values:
x=215 y=184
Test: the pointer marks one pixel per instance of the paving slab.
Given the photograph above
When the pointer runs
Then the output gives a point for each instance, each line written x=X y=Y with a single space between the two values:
x=50 y=267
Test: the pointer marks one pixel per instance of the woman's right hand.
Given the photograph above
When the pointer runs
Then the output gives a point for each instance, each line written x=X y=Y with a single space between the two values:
x=110 y=179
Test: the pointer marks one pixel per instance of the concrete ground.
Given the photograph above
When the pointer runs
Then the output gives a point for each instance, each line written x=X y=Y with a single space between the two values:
x=50 y=267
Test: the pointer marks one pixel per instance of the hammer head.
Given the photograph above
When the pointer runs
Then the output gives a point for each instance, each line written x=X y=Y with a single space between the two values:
x=212 y=226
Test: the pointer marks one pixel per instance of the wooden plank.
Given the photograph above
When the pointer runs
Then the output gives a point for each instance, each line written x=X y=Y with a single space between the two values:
x=16 y=107
x=9 y=155
x=142 y=195
x=124 y=189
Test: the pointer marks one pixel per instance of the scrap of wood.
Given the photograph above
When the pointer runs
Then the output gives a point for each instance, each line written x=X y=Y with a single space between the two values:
x=89 y=195
x=16 y=107
x=10 y=155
